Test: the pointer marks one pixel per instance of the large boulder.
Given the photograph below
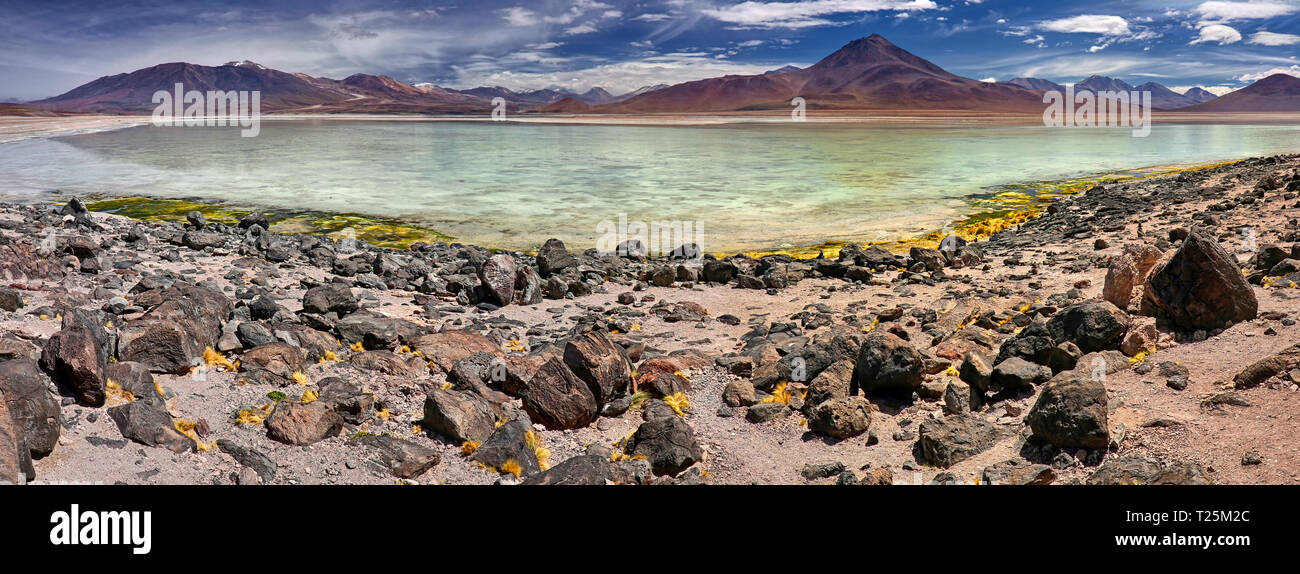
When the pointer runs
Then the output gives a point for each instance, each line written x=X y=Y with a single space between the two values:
x=1200 y=287
x=302 y=424
x=170 y=338
x=600 y=363
x=888 y=365
x=330 y=297
x=1091 y=325
x=1128 y=273
x=458 y=415
x=952 y=439
x=843 y=417
x=31 y=404
x=557 y=398
x=75 y=357
x=405 y=459
x=1137 y=469
x=447 y=348
x=498 y=277
x=1071 y=412
x=272 y=363
x=147 y=422
x=668 y=443
x=508 y=443
x=554 y=257
x=585 y=470
x=15 y=456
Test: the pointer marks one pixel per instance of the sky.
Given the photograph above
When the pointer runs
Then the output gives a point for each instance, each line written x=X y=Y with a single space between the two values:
x=48 y=47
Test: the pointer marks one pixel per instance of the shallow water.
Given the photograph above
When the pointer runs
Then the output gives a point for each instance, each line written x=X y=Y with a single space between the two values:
x=748 y=185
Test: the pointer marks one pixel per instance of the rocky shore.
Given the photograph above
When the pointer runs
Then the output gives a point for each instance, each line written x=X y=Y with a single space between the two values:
x=1141 y=332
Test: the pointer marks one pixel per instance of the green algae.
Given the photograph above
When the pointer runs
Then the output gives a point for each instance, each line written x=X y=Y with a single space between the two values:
x=378 y=231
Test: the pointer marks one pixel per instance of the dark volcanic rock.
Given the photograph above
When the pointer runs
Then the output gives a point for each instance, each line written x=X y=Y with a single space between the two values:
x=507 y=443
x=15 y=456
x=31 y=404
x=585 y=470
x=302 y=423
x=336 y=297
x=554 y=257
x=888 y=365
x=842 y=418
x=1017 y=373
x=458 y=415
x=600 y=363
x=1135 y=469
x=75 y=357
x=146 y=421
x=1199 y=288
x=498 y=277
x=251 y=458
x=953 y=439
x=1071 y=412
x=668 y=443
x=1092 y=326
x=557 y=398
x=405 y=459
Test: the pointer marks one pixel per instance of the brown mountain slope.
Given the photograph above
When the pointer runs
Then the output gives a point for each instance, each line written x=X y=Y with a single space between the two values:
x=1276 y=93
x=280 y=91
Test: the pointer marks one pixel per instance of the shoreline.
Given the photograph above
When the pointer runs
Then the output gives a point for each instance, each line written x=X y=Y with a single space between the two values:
x=373 y=337
x=998 y=210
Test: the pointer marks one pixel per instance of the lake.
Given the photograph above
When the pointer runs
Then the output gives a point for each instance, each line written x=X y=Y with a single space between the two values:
x=749 y=185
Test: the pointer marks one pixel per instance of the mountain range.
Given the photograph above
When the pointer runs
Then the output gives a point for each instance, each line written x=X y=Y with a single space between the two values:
x=867 y=74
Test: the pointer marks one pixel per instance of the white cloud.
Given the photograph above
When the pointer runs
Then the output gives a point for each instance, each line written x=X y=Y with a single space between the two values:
x=1104 y=25
x=579 y=29
x=620 y=77
x=1229 y=11
x=1292 y=71
x=652 y=17
x=806 y=13
x=1266 y=38
x=990 y=80
x=1219 y=34
x=1216 y=90
x=518 y=16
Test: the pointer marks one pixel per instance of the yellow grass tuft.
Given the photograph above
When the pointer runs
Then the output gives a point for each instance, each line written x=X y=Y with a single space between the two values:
x=214 y=359
x=187 y=428
x=534 y=443
x=512 y=467
x=416 y=429
x=254 y=416
x=678 y=402
x=383 y=414
x=468 y=447
x=116 y=394
x=952 y=371
x=357 y=347
x=299 y=378
x=779 y=394
x=516 y=346
x=309 y=395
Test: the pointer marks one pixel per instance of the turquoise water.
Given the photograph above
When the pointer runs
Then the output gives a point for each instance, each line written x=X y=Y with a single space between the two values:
x=749 y=185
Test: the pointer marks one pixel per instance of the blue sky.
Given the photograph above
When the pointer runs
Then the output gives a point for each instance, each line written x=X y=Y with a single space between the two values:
x=49 y=47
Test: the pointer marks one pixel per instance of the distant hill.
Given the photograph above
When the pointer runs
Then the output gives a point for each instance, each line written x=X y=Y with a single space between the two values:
x=1276 y=93
x=868 y=73
x=1199 y=95
x=1037 y=84
x=280 y=91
